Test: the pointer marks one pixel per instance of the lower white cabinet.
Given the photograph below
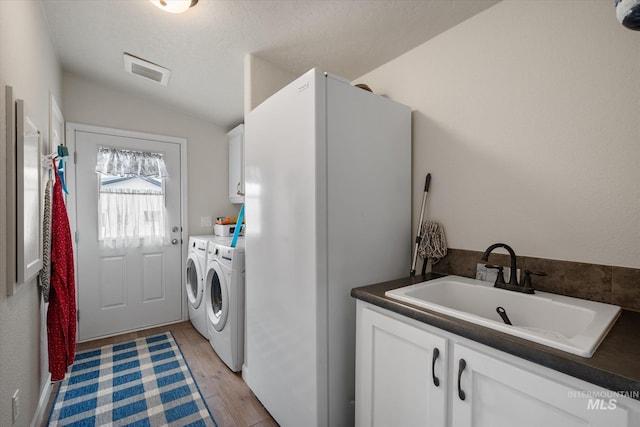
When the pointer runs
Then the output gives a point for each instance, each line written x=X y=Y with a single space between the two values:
x=400 y=380
x=498 y=393
x=477 y=385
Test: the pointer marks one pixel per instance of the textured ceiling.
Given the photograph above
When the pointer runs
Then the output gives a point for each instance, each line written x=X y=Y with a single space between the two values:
x=205 y=47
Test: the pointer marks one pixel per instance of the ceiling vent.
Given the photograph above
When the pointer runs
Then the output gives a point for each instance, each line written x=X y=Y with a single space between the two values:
x=146 y=69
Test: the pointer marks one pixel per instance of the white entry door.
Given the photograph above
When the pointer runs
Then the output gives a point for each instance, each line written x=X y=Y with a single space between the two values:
x=125 y=288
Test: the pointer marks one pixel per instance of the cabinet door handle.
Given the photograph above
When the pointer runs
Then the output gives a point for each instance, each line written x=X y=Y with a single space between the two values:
x=461 y=366
x=436 y=354
x=238 y=192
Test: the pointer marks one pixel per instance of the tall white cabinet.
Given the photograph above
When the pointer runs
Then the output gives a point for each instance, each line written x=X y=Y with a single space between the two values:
x=478 y=386
x=236 y=164
x=328 y=208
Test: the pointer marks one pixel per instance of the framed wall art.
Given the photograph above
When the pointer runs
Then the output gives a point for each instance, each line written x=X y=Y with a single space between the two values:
x=28 y=197
x=56 y=126
x=10 y=111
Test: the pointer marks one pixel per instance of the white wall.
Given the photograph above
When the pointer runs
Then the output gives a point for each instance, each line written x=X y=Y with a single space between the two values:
x=29 y=65
x=261 y=80
x=528 y=118
x=88 y=102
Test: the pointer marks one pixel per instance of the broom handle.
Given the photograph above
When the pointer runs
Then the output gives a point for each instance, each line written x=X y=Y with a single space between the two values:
x=427 y=181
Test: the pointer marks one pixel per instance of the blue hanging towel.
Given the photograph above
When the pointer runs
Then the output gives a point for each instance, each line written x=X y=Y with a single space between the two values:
x=236 y=232
x=63 y=153
x=61 y=175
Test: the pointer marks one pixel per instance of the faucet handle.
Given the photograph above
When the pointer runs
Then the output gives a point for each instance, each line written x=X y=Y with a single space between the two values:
x=500 y=276
x=527 y=277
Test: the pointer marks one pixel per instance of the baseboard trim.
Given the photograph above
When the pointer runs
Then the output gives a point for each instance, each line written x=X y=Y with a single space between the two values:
x=41 y=410
x=143 y=328
x=245 y=373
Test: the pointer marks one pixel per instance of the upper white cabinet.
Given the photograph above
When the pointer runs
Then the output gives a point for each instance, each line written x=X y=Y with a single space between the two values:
x=236 y=164
x=478 y=386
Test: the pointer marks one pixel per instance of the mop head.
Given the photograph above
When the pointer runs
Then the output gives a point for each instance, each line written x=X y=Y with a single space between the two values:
x=433 y=244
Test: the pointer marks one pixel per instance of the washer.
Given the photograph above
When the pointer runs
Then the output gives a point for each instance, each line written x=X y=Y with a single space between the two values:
x=196 y=271
x=224 y=301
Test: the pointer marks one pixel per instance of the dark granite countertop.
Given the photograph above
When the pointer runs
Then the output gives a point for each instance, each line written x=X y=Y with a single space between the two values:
x=615 y=365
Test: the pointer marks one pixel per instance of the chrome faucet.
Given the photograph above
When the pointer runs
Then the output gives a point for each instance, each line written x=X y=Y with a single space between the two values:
x=513 y=284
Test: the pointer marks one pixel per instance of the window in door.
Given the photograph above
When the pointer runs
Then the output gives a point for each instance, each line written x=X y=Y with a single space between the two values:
x=131 y=204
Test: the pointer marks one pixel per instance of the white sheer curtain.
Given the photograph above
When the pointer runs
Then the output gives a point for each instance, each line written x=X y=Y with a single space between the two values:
x=131 y=206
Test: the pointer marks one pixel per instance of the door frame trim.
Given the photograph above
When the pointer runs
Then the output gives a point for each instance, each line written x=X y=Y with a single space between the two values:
x=70 y=172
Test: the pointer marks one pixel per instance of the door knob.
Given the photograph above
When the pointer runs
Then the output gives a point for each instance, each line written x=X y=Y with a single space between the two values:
x=175 y=229
x=174 y=241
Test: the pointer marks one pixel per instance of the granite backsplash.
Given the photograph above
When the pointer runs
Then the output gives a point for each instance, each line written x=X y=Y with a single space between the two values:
x=603 y=283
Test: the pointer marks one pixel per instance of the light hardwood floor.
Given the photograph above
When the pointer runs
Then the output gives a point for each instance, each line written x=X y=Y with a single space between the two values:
x=228 y=397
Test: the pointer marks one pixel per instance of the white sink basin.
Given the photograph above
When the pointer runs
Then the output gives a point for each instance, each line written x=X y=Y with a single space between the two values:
x=569 y=324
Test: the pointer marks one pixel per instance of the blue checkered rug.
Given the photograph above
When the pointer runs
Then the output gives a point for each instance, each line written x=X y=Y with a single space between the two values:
x=145 y=382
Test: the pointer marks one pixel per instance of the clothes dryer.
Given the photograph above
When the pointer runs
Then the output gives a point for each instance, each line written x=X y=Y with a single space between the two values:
x=224 y=301
x=194 y=282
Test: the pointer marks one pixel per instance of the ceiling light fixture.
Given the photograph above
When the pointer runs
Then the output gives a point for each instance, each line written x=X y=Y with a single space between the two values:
x=174 y=6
